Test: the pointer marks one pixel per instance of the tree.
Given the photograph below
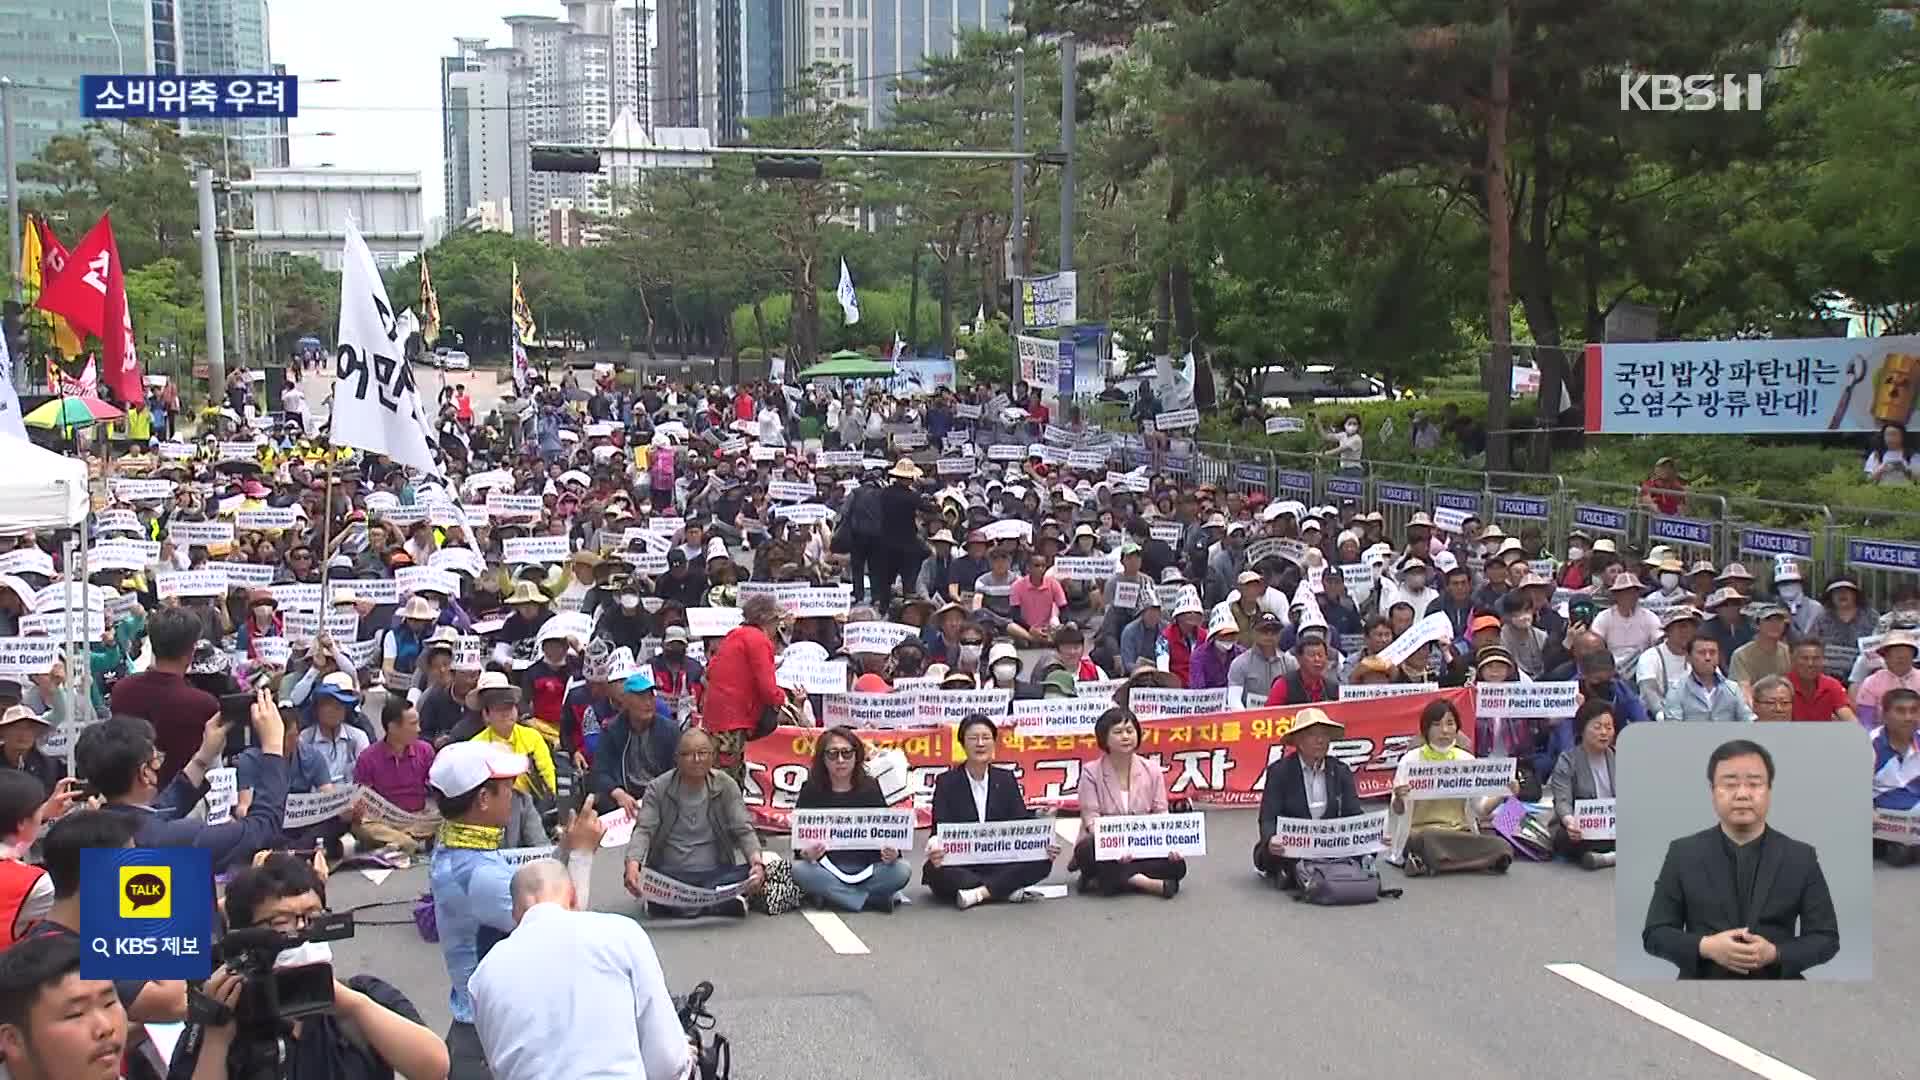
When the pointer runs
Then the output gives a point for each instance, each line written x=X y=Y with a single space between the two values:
x=141 y=171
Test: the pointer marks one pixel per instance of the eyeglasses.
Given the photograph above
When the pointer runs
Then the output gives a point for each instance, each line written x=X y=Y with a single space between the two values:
x=840 y=753
x=292 y=922
x=694 y=755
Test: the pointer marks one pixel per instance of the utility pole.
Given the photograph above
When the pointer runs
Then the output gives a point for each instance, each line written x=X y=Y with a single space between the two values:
x=1018 y=267
x=14 y=271
x=1498 y=376
x=233 y=256
x=210 y=285
x=1069 y=69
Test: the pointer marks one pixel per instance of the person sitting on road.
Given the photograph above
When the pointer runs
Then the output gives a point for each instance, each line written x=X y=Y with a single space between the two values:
x=396 y=768
x=636 y=750
x=1305 y=784
x=1896 y=768
x=972 y=792
x=1705 y=694
x=1818 y=697
x=869 y=880
x=692 y=826
x=1586 y=771
x=1121 y=783
x=497 y=701
x=1896 y=650
x=1443 y=835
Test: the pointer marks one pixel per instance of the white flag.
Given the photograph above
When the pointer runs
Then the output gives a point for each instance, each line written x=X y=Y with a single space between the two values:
x=10 y=422
x=849 y=303
x=375 y=405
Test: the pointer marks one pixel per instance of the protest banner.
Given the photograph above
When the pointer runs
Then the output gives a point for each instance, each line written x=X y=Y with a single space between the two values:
x=299 y=624
x=1007 y=452
x=1279 y=547
x=223 y=794
x=200 y=533
x=378 y=808
x=468 y=653
x=1177 y=420
x=1126 y=594
x=412 y=579
x=1167 y=532
x=342 y=625
x=1087 y=460
x=909 y=440
x=267 y=518
x=899 y=709
x=1281 y=425
x=1595 y=818
x=1159 y=703
x=1434 y=627
x=1085 y=567
x=62 y=595
x=1359 y=579
x=875 y=636
x=971 y=844
x=272 y=650
x=853 y=830
x=120 y=520
x=1375 y=691
x=658 y=888
x=1331 y=838
x=361 y=653
x=953 y=706
x=711 y=622
x=28 y=655
x=966 y=412
x=1897 y=826
x=376 y=591
x=831 y=602
x=527 y=550
x=1059 y=716
x=1540 y=699
x=178 y=451
x=1149 y=836
x=296 y=596
x=1050 y=455
x=1008 y=530
x=191 y=583
x=311 y=808
x=409 y=514
x=1216 y=759
x=235 y=450
x=837 y=459
x=735 y=445
x=500 y=504
x=127 y=489
x=814 y=676
x=803 y=513
x=130 y=555
x=763 y=453
x=1462 y=778
x=791 y=491
x=663 y=525
x=954 y=466
x=90 y=623
x=1097 y=688
x=646 y=562
x=520 y=856
x=249 y=575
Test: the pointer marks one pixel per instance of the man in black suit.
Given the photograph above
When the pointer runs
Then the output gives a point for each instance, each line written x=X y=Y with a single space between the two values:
x=976 y=792
x=1304 y=784
x=1741 y=901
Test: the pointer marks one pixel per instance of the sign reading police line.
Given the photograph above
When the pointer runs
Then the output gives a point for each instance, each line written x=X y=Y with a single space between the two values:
x=1149 y=836
x=994 y=842
x=853 y=830
x=1461 y=778
x=146 y=913
x=1331 y=838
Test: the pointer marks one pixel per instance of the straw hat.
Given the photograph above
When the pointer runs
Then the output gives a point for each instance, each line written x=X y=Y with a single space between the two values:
x=1679 y=613
x=1893 y=638
x=905 y=469
x=492 y=682
x=1308 y=719
x=526 y=592
x=419 y=607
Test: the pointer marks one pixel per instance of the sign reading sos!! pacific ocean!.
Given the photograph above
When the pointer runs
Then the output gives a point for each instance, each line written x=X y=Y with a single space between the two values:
x=1783 y=385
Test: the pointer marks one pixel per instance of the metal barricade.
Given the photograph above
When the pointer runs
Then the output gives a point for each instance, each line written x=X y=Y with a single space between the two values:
x=1759 y=532
x=1695 y=532
x=1877 y=549
x=1605 y=510
x=1455 y=495
x=1398 y=492
x=1294 y=475
x=1212 y=464
x=1531 y=507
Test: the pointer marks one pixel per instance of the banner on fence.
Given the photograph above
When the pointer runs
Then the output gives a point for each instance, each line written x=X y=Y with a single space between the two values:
x=1752 y=386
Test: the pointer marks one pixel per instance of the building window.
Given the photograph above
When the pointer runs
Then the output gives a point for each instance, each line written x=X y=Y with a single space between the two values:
x=819 y=33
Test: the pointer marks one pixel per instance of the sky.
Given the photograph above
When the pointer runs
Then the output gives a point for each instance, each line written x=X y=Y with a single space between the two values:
x=385 y=111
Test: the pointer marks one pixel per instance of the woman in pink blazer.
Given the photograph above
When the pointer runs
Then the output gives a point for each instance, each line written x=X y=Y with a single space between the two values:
x=1120 y=782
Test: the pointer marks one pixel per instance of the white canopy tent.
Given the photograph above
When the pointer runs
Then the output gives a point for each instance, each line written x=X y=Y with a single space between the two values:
x=40 y=489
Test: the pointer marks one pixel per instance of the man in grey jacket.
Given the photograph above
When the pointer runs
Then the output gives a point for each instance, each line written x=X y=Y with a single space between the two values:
x=1705 y=694
x=692 y=827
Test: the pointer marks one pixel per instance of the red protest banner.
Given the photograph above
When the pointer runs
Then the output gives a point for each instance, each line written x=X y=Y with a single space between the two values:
x=1217 y=759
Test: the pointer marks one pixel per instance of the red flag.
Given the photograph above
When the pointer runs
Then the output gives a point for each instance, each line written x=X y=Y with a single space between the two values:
x=92 y=293
x=53 y=254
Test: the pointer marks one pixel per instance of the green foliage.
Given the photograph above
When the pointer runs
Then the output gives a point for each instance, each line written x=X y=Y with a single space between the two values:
x=989 y=355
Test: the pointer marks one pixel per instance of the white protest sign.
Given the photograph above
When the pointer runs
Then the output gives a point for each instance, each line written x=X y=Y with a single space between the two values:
x=133 y=555
x=468 y=653
x=267 y=517
x=376 y=591
x=237 y=451
x=1006 y=452
x=458 y=558
x=976 y=844
x=412 y=579
x=1374 y=691
x=1126 y=594
x=646 y=562
x=1158 y=703
x=29 y=560
x=1435 y=627
x=518 y=550
x=116 y=520
x=177 y=451
x=790 y=491
x=1897 y=826
x=1008 y=530
x=317 y=806
x=1059 y=717
x=223 y=794
x=895 y=710
x=874 y=636
x=126 y=489
x=249 y=575
x=297 y=596
x=1331 y=838
x=954 y=466
x=966 y=412
x=1595 y=818
x=272 y=650
x=1276 y=547
x=1541 y=699
x=1460 y=778
x=27 y=655
x=300 y=624
x=711 y=622
x=1087 y=460
x=1167 y=532
x=1359 y=579
x=90 y=623
x=1051 y=455
x=520 y=856
x=1085 y=567
x=1149 y=836
x=814 y=676
x=833 y=601
x=1281 y=425
x=661 y=525
x=618 y=824
x=1450 y=520
x=803 y=513
x=837 y=459
x=191 y=583
x=200 y=533
x=735 y=445
x=1176 y=420
x=658 y=888
x=502 y=505
x=953 y=706
x=853 y=830
x=360 y=653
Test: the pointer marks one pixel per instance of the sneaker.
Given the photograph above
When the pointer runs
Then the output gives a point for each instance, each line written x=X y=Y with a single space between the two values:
x=1603 y=859
x=880 y=902
x=1171 y=890
x=1019 y=896
x=969 y=897
x=1500 y=865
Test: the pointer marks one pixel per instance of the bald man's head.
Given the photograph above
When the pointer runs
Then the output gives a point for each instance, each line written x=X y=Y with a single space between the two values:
x=542 y=881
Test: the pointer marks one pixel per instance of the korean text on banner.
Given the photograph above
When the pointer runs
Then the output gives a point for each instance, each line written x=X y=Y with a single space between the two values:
x=1281 y=425
x=1057 y=717
x=223 y=794
x=1177 y=420
x=315 y=807
x=1331 y=838
x=1149 y=836
x=375 y=405
x=853 y=830
x=1461 y=778
x=1434 y=627
x=658 y=888
x=1542 y=699
x=1373 y=691
x=526 y=550
x=994 y=842
x=895 y=710
x=1595 y=818
x=953 y=706
x=1155 y=703
x=1750 y=386
x=874 y=636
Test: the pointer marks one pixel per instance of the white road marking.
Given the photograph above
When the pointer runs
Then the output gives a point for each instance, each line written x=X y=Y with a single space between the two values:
x=1707 y=1038
x=838 y=935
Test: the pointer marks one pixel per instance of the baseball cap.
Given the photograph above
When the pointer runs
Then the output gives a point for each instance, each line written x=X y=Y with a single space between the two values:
x=463 y=766
x=676 y=632
x=640 y=682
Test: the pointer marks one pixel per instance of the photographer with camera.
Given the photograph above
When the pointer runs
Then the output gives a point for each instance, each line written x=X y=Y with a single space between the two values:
x=574 y=993
x=120 y=761
x=273 y=1008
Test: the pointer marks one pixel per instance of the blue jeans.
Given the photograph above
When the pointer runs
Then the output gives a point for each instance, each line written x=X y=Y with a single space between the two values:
x=816 y=880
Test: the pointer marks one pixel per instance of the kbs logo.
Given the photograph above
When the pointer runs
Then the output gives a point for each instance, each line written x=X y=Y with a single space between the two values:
x=1689 y=93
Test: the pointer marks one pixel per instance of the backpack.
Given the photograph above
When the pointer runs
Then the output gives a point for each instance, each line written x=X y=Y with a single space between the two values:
x=859 y=521
x=1338 y=883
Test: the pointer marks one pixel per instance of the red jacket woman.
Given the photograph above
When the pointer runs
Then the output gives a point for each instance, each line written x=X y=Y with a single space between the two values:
x=740 y=683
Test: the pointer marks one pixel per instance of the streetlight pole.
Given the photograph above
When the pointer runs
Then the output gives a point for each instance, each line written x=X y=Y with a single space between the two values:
x=15 y=272
x=233 y=255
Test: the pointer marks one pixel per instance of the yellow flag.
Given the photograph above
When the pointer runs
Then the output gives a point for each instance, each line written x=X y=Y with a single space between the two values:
x=522 y=314
x=32 y=254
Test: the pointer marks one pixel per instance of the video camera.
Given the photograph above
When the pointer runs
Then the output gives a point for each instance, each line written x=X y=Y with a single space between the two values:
x=273 y=996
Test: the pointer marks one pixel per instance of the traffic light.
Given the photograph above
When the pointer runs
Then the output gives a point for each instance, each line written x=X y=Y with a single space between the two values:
x=566 y=159
x=777 y=167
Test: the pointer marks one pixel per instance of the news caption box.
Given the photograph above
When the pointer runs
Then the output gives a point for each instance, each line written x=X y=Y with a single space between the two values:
x=146 y=913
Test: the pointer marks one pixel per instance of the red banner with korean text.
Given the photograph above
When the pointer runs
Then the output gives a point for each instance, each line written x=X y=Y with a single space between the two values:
x=1215 y=759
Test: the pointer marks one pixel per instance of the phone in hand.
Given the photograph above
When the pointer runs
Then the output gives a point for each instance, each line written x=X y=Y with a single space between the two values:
x=236 y=713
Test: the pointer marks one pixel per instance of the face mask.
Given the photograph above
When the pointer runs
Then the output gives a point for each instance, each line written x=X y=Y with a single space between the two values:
x=313 y=952
x=1669 y=582
x=628 y=603
x=1223 y=644
x=1576 y=553
x=1005 y=670
x=1790 y=592
x=970 y=654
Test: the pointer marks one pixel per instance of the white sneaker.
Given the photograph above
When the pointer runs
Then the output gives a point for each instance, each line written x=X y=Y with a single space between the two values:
x=969 y=897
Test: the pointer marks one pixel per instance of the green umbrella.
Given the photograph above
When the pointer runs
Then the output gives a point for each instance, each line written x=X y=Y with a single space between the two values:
x=849 y=365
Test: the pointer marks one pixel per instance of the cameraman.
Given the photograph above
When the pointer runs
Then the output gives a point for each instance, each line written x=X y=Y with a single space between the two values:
x=372 y=1031
x=118 y=758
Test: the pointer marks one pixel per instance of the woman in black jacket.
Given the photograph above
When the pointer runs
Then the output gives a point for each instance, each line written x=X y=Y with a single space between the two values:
x=1286 y=794
x=977 y=792
x=868 y=880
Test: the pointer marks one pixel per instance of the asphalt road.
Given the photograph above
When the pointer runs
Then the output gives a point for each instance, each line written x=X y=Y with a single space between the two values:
x=1230 y=979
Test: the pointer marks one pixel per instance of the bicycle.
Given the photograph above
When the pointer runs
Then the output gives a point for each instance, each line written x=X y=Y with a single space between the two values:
x=714 y=1056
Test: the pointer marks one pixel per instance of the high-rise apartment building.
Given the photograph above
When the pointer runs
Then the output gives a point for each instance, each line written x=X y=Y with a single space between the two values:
x=166 y=37
x=873 y=43
x=227 y=37
x=47 y=45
